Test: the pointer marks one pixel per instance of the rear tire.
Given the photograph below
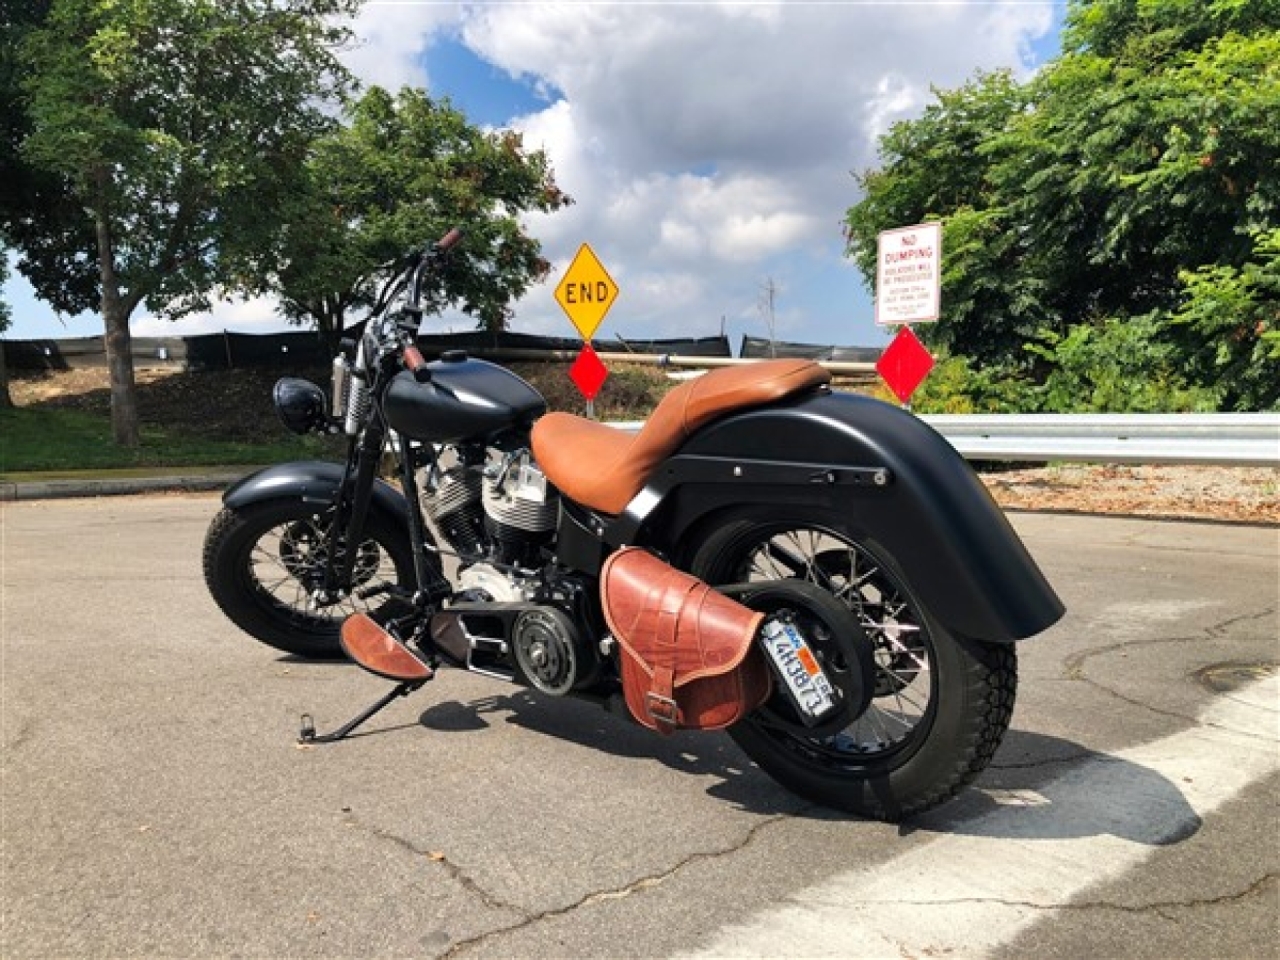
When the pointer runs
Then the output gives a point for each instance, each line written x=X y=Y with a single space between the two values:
x=260 y=562
x=940 y=705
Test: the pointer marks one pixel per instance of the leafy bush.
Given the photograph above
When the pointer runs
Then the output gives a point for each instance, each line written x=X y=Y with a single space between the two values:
x=1122 y=365
x=1232 y=315
x=956 y=386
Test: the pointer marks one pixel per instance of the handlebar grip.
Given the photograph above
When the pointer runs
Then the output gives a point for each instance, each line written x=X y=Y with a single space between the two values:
x=448 y=241
x=416 y=365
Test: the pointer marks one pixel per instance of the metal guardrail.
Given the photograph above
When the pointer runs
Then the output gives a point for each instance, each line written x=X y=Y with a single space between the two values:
x=1230 y=439
x=1226 y=439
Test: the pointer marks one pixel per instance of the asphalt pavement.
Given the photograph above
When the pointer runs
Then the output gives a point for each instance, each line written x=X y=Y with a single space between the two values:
x=155 y=802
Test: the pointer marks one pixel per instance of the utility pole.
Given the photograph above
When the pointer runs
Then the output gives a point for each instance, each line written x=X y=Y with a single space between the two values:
x=768 y=297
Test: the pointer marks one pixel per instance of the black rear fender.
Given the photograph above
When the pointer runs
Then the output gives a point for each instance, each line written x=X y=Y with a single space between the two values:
x=315 y=482
x=886 y=476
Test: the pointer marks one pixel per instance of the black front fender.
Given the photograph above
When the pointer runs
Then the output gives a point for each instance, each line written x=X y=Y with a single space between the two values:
x=888 y=476
x=311 y=481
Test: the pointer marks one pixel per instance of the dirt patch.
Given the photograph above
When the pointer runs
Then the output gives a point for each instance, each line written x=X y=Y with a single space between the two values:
x=215 y=404
x=1237 y=494
x=236 y=405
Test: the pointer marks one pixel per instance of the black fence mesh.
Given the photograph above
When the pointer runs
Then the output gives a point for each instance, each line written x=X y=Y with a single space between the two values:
x=222 y=351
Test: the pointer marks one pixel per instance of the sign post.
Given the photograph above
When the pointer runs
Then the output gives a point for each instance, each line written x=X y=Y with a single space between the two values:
x=585 y=293
x=908 y=290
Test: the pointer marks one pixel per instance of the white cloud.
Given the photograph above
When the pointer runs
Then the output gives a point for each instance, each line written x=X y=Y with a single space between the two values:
x=711 y=139
x=391 y=38
x=252 y=315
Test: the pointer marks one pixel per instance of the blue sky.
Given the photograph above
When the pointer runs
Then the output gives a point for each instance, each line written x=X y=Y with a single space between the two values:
x=708 y=146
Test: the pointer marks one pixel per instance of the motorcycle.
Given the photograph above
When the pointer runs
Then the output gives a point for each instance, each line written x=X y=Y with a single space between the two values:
x=825 y=576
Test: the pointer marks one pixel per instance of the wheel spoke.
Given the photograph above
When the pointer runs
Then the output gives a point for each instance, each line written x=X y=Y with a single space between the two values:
x=903 y=650
x=287 y=561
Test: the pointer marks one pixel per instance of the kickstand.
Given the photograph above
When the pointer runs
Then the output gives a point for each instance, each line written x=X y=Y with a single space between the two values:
x=309 y=735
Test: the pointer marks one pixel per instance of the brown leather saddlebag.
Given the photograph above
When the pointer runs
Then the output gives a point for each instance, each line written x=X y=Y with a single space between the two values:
x=688 y=655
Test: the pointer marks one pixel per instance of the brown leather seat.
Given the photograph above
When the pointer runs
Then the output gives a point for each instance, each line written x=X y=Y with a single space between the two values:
x=603 y=467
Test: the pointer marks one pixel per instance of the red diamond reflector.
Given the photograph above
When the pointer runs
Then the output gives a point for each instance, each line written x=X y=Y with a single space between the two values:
x=904 y=364
x=588 y=373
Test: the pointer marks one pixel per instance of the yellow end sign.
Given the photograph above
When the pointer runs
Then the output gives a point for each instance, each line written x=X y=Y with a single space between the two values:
x=586 y=292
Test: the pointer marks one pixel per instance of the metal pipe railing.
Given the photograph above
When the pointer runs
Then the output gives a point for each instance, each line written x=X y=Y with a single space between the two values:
x=842 y=367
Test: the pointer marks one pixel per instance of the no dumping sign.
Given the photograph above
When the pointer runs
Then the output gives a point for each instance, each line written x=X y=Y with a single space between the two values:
x=909 y=274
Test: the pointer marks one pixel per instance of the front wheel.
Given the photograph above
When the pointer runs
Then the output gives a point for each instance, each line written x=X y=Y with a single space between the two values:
x=263 y=564
x=939 y=706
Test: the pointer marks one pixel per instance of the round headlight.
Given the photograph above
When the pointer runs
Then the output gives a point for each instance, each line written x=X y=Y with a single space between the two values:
x=300 y=404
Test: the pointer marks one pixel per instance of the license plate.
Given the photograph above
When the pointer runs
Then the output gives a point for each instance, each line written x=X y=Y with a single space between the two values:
x=799 y=670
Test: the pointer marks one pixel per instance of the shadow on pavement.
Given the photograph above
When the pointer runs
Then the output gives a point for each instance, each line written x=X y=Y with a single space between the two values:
x=1039 y=787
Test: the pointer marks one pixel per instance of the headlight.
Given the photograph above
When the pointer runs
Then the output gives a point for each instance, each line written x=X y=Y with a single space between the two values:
x=300 y=405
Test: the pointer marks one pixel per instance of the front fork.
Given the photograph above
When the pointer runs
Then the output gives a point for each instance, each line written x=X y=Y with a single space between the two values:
x=351 y=508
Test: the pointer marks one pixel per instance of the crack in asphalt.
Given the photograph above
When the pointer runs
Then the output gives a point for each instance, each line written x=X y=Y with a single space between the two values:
x=1047 y=762
x=1073 y=666
x=455 y=872
x=620 y=893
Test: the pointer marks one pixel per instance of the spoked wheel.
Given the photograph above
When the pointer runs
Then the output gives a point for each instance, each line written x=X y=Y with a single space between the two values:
x=264 y=564
x=938 y=707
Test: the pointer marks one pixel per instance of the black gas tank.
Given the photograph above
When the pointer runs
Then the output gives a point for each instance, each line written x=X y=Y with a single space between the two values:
x=464 y=398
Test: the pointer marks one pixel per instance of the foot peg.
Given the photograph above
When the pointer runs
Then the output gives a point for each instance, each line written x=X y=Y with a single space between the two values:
x=373 y=648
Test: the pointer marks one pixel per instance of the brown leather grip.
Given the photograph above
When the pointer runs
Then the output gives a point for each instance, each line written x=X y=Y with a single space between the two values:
x=448 y=240
x=413 y=359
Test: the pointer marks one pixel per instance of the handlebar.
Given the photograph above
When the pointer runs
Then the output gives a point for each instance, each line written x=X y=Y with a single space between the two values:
x=432 y=255
x=411 y=355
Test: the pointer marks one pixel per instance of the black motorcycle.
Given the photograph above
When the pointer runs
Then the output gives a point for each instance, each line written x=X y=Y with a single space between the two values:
x=878 y=584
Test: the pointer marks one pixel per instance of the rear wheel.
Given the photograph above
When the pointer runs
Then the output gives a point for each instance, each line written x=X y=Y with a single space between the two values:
x=264 y=562
x=939 y=707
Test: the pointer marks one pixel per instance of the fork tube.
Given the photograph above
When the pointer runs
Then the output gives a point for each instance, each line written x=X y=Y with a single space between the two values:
x=368 y=453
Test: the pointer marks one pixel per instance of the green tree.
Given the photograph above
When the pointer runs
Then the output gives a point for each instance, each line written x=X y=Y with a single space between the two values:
x=1143 y=155
x=179 y=127
x=401 y=172
x=940 y=167
x=39 y=214
x=1233 y=315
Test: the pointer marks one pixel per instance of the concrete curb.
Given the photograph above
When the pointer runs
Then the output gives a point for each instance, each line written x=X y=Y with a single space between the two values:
x=115 y=486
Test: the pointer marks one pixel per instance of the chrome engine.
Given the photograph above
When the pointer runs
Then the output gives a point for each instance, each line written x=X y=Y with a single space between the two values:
x=490 y=506
x=509 y=617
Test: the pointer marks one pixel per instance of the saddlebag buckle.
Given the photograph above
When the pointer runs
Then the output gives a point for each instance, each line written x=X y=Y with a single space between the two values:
x=662 y=710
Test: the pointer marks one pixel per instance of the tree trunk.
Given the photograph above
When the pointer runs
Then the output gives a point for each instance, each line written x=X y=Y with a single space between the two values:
x=119 y=344
x=116 y=336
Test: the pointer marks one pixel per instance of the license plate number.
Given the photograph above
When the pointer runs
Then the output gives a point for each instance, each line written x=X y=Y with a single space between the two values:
x=798 y=668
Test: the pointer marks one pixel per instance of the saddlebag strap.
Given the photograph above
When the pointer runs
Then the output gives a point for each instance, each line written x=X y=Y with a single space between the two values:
x=660 y=701
x=687 y=654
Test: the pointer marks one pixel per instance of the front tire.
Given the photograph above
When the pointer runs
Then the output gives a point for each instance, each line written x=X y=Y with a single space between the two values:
x=263 y=561
x=940 y=706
